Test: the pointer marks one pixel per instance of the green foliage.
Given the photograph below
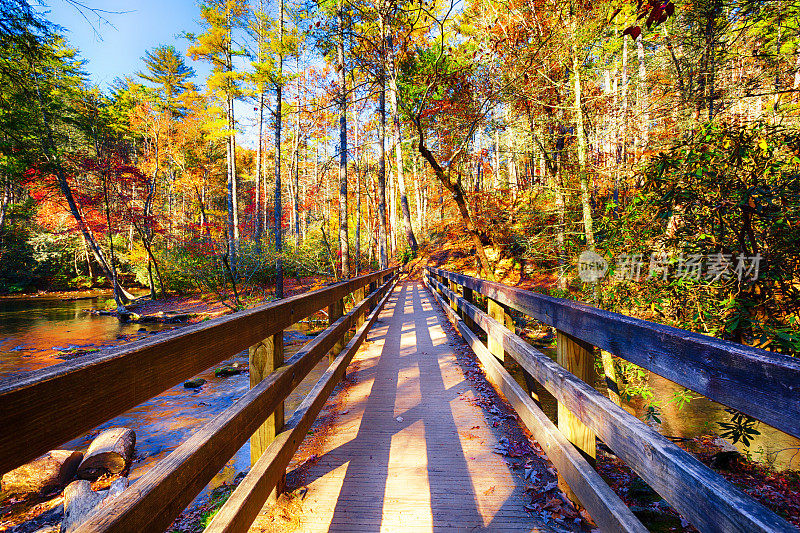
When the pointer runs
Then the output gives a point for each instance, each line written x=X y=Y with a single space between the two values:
x=726 y=189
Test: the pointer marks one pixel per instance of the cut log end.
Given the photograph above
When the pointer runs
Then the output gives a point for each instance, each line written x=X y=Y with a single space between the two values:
x=109 y=453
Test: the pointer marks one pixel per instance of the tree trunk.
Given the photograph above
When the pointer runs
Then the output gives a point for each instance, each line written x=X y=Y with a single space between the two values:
x=296 y=191
x=454 y=187
x=401 y=184
x=581 y=141
x=258 y=211
x=383 y=258
x=109 y=453
x=278 y=215
x=356 y=157
x=344 y=243
x=43 y=475
x=642 y=98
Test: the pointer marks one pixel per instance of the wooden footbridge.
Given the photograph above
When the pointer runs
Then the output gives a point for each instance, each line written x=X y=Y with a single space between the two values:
x=406 y=452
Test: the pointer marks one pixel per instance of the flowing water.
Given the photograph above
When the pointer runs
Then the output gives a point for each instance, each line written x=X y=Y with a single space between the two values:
x=36 y=333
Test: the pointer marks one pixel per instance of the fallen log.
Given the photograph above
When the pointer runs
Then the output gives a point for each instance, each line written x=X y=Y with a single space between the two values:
x=44 y=475
x=109 y=453
x=80 y=501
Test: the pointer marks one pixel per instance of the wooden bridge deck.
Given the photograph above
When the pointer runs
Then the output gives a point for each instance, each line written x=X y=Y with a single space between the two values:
x=403 y=445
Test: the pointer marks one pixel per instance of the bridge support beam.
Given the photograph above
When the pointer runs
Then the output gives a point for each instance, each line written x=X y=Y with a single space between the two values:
x=470 y=297
x=500 y=313
x=497 y=311
x=577 y=357
x=264 y=358
x=454 y=287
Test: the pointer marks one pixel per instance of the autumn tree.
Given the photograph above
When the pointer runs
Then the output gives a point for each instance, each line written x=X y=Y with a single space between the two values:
x=218 y=47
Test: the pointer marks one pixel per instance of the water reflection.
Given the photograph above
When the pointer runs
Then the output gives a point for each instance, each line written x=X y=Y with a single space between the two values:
x=34 y=331
x=167 y=420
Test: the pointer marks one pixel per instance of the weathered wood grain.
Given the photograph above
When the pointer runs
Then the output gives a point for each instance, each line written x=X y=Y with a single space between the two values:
x=577 y=357
x=41 y=409
x=708 y=501
x=244 y=504
x=762 y=384
x=264 y=359
x=604 y=506
x=155 y=499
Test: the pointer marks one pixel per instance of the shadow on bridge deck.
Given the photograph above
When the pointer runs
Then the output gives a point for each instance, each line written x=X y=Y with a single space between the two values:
x=404 y=444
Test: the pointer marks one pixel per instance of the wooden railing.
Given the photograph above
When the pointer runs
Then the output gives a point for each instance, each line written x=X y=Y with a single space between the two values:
x=42 y=409
x=759 y=383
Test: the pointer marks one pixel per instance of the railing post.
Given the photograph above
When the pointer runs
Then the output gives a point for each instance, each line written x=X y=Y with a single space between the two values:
x=359 y=295
x=264 y=358
x=453 y=287
x=610 y=377
x=577 y=357
x=469 y=297
x=498 y=312
x=335 y=312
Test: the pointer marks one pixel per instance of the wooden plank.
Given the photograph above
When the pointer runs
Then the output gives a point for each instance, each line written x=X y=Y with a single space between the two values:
x=155 y=499
x=577 y=357
x=359 y=295
x=376 y=473
x=42 y=409
x=610 y=375
x=708 y=501
x=244 y=504
x=604 y=506
x=265 y=358
x=469 y=296
x=763 y=384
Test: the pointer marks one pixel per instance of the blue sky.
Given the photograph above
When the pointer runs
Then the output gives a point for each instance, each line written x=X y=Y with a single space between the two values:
x=114 y=46
x=114 y=40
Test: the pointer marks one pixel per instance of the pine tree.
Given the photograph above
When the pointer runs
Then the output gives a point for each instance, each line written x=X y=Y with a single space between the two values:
x=167 y=70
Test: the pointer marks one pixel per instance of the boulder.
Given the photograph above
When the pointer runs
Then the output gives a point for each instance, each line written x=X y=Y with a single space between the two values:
x=109 y=453
x=44 y=475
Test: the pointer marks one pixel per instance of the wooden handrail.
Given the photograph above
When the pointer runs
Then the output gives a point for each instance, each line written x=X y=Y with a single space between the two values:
x=763 y=384
x=701 y=495
x=42 y=409
x=158 y=497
